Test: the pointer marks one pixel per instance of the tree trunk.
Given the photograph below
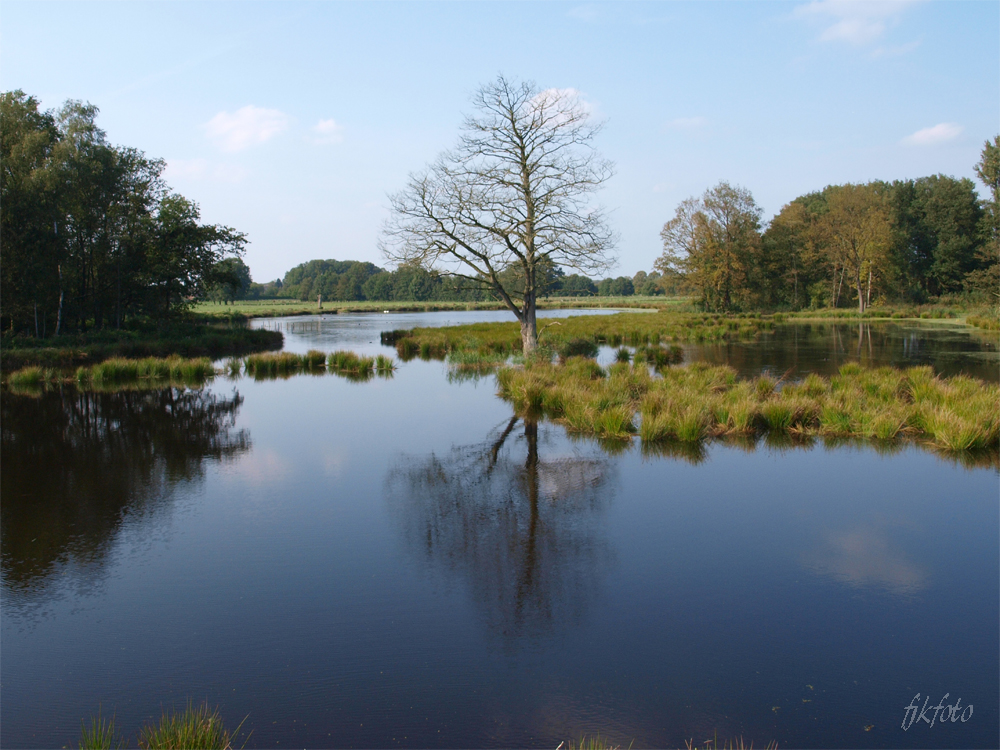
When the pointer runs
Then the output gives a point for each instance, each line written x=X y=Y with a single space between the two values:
x=861 y=296
x=529 y=328
x=59 y=312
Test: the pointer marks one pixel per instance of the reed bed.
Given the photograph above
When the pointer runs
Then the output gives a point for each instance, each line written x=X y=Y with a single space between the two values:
x=567 y=335
x=700 y=402
x=476 y=361
x=118 y=372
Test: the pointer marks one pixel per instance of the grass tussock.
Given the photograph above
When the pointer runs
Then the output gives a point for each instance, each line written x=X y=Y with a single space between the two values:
x=194 y=728
x=101 y=734
x=474 y=360
x=699 y=402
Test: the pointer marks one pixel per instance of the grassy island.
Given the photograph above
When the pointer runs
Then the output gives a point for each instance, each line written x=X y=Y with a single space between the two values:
x=567 y=335
x=697 y=402
x=188 y=338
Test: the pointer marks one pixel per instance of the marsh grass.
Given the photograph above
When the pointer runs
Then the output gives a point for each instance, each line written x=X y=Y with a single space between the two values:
x=191 y=729
x=273 y=365
x=593 y=742
x=187 y=339
x=735 y=744
x=569 y=336
x=475 y=360
x=33 y=377
x=699 y=402
x=118 y=372
x=101 y=734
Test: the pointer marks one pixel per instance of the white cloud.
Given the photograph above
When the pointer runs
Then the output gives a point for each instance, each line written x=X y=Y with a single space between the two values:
x=565 y=100
x=246 y=127
x=857 y=22
x=328 y=131
x=941 y=133
x=687 y=123
x=202 y=169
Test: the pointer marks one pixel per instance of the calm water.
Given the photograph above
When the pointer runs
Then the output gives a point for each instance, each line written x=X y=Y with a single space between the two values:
x=400 y=562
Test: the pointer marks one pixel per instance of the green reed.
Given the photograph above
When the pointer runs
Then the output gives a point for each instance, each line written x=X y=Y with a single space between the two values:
x=702 y=401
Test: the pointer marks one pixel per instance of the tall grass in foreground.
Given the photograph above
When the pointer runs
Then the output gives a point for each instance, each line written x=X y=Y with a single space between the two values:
x=700 y=402
x=737 y=744
x=194 y=729
x=101 y=734
x=191 y=729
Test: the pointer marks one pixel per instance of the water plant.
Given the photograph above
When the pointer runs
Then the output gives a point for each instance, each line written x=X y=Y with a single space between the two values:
x=191 y=729
x=476 y=360
x=101 y=734
x=384 y=365
x=701 y=401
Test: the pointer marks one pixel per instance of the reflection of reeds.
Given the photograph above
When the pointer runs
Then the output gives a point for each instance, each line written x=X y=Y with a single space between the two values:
x=690 y=404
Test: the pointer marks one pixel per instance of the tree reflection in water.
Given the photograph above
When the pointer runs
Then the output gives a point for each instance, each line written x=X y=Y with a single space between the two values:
x=525 y=533
x=77 y=464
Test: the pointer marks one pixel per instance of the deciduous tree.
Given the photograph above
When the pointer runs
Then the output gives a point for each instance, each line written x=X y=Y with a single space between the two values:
x=514 y=193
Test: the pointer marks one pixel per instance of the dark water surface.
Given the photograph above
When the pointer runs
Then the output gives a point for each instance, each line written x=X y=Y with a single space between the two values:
x=400 y=562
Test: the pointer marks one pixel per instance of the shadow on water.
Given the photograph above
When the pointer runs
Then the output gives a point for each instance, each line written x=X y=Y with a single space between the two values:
x=78 y=464
x=523 y=531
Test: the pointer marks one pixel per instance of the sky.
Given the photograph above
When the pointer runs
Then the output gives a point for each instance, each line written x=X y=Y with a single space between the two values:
x=293 y=122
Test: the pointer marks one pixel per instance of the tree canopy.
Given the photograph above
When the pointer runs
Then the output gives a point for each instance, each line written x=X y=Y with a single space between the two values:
x=908 y=240
x=92 y=234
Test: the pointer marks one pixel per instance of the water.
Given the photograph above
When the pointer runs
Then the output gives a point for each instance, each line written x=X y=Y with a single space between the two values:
x=399 y=562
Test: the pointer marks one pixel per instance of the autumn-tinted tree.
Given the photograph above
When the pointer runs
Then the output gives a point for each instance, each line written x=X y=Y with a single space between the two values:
x=714 y=241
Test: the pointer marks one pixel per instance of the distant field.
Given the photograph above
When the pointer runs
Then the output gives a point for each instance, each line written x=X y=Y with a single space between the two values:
x=281 y=307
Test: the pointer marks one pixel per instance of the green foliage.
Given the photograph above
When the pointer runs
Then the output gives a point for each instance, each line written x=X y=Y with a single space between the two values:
x=617 y=287
x=92 y=237
x=715 y=242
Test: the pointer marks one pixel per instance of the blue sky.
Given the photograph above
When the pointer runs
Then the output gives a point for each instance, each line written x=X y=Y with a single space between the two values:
x=293 y=121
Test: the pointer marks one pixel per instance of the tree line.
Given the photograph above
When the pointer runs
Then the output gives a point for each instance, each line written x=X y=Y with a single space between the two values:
x=846 y=245
x=92 y=236
x=351 y=280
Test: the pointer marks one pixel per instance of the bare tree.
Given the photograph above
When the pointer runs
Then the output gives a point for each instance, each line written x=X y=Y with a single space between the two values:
x=513 y=195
